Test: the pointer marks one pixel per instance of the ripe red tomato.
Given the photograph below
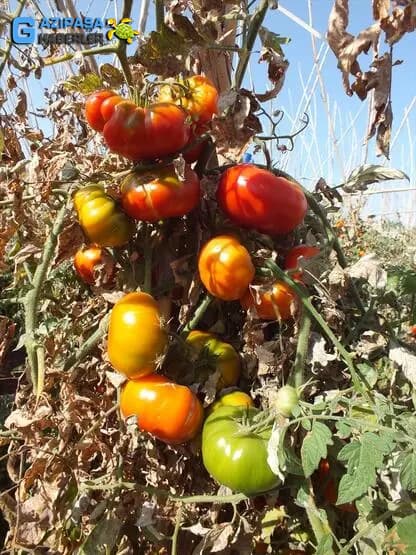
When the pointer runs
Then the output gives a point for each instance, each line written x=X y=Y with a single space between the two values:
x=160 y=194
x=99 y=107
x=146 y=133
x=255 y=198
x=295 y=254
x=197 y=96
x=225 y=267
x=169 y=411
x=88 y=259
x=330 y=489
x=273 y=303
x=412 y=330
x=136 y=339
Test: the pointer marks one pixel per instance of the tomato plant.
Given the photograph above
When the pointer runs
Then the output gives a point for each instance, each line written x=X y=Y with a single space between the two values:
x=235 y=398
x=215 y=354
x=169 y=411
x=270 y=303
x=160 y=194
x=328 y=487
x=88 y=259
x=197 y=95
x=135 y=336
x=256 y=198
x=101 y=218
x=225 y=267
x=235 y=455
x=287 y=398
x=295 y=255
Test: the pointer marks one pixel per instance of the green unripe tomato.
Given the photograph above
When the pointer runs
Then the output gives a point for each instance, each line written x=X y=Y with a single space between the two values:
x=286 y=399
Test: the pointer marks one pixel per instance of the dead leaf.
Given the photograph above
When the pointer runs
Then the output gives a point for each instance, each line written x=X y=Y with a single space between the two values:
x=7 y=330
x=317 y=351
x=406 y=361
x=380 y=9
x=70 y=240
x=401 y=21
x=217 y=539
x=276 y=72
x=21 y=107
x=370 y=269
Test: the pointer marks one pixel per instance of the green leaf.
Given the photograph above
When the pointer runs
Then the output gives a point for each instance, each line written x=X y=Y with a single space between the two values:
x=85 y=84
x=314 y=447
x=368 y=372
x=362 y=457
x=274 y=517
x=272 y=40
x=402 y=538
x=325 y=545
x=361 y=177
x=407 y=470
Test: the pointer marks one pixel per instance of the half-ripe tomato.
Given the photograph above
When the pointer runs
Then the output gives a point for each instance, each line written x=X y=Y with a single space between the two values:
x=255 y=198
x=270 y=303
x=169 y=411
x=88 y=260
x=101 y=218
x=99 y=107
x=235 y=455
x=196 y=94
x=233 y=399
x=208 y=352
x=225 y=267
x=295 y=255
x=160 y=194
x=146 y=133
x=136 y=339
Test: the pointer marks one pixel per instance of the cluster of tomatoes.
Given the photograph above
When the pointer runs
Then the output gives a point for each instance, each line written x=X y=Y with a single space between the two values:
x=250 y=197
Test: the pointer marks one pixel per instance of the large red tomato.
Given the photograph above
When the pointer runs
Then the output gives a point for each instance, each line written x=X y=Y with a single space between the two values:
x=160 y=194
x=255 y=198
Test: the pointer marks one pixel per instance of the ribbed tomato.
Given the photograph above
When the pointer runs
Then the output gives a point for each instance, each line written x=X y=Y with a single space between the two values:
x=169 y=411
x=160 y=194
x=99 y=107
x=136 y=339
x=257 y=199
x=271 y=303
x=87 y=260
x=225 y=267
x=295 y=255
x=101 y=218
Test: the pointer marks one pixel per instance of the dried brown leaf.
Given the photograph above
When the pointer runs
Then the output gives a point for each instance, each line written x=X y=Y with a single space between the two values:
x=380 y=9
x=401 y=21
x=70 y=240
x=7 y=331
x=21 y=107
x=276 y=72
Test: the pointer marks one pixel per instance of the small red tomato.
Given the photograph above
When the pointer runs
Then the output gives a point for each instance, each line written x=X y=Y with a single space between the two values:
x=294 y=256
x=99 y=107
x=412 y=330
x=160 y=194
x=330 y=489
x=169 y=411
x=88 y=259
x=273 y=303
x=257 y=199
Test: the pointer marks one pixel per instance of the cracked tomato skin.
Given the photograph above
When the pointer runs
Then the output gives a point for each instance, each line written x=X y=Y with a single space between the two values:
x=221 y=355
x=169 y=411
x=136 y=339
x=87 y=259
x=295 y=254
x=200 y=99
x=225 y=267
x=102 y=220
x=99 y=107
x=154 y=196
x=146 y=133
x=255 y=198
x=273 y=304
x=236 y=459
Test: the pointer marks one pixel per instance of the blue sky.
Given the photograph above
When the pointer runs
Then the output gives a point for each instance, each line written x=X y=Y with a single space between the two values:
x=314 y=155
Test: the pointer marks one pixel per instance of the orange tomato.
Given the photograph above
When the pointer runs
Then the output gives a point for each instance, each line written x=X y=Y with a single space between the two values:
x=273 y=303
x=88 y=259
x=136 y=339
x=235 y=398
x=169 y=411
x=295 y=255
x=225 y=267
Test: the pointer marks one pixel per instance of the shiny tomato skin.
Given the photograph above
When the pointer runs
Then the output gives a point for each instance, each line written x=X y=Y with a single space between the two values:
x=234 y=458
x=200 y=99
x=225 y=267
x=169 y=411
x=255 y=198
x=233 y=399
x=154 y=196
x=146 y=133
x=87 y=259
x=101 y=218
x=136 y=339
x=219 y=355
x=94 y=105
x=295 y=255
x=272 y=304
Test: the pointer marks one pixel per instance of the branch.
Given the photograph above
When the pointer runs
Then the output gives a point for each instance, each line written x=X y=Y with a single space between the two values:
x=297 y=376
x=88 y=345
x=160 y=14
x=199 y=312
x=33 y=296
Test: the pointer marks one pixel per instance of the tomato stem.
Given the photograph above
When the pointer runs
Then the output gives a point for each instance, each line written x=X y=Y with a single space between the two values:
x=147 y=283
x=297 y=376
x=198 y=314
